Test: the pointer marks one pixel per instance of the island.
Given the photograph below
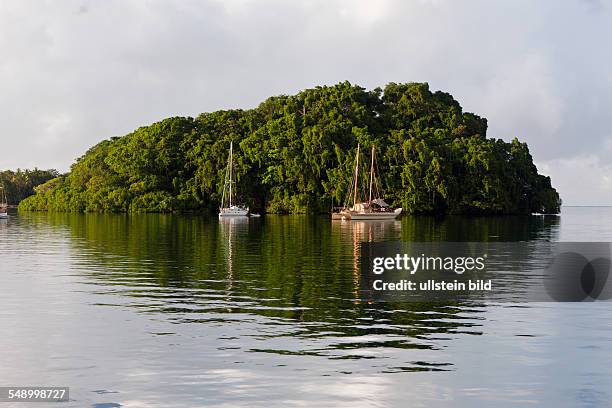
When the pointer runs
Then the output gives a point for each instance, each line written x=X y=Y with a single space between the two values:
x=296 y=154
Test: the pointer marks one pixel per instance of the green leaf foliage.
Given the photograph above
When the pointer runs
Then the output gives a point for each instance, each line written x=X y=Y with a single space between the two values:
x=295 y=154
x=23 y=183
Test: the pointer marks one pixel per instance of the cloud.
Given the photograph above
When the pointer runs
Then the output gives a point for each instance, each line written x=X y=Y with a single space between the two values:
x=523 y=96
x=364 y=11
x=581 y=180
x=76 y=72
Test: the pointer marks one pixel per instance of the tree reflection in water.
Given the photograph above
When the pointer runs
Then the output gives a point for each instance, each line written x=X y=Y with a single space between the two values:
x=293 y=277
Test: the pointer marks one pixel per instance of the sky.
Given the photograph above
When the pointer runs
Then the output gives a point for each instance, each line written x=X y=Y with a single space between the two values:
x=73 y=73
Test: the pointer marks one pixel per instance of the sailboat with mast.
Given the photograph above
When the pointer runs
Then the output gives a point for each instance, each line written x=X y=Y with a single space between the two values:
x=375 y=208
x=228 y=208
x=3 y=204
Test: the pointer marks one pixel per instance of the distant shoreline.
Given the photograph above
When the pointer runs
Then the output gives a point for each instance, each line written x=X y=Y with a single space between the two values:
x=596 y=206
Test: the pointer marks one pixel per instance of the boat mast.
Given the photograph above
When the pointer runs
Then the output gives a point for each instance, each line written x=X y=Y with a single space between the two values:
x=230 y=172
x=371 y=175
x=224 y=190
x=356 y=176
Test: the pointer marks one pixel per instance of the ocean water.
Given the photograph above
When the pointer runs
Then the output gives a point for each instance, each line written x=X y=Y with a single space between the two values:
x=191 y=311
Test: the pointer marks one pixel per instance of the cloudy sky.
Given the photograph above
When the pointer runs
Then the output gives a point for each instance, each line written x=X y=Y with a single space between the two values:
x=75 y=72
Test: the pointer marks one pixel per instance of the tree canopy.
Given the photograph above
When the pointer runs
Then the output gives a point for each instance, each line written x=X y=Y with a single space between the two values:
x=296 y=154
x=21 y=183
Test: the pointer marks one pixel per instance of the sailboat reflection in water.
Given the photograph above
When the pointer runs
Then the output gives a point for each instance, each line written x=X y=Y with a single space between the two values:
x=231 y=230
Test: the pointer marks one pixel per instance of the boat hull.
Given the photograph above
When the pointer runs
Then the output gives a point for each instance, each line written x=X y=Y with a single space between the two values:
x=358 y=216
x=234 y=212
x=3 y=216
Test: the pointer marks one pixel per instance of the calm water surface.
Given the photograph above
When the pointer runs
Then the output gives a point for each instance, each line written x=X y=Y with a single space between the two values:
x=188 y=311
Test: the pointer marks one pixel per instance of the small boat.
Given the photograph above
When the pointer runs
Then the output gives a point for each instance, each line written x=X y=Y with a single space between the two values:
x=228 y=208
x=338 y=215
x=3 y=204
x=375 y=208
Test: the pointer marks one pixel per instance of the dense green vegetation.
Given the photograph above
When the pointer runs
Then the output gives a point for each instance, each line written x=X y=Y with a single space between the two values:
x=22 y=183
x=296 y=154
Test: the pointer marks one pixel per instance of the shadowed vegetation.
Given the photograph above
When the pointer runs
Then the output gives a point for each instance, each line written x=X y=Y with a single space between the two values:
x=22 y=183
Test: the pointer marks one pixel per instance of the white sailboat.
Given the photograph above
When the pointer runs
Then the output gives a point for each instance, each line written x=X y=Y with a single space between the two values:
x=228 y=208
x=375 y=208
x=3 y=204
